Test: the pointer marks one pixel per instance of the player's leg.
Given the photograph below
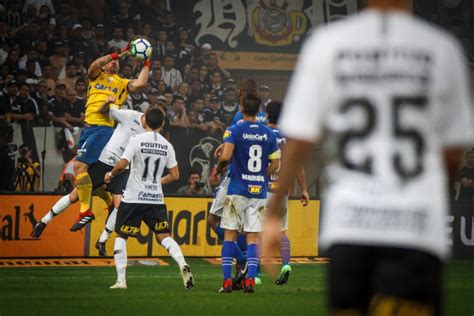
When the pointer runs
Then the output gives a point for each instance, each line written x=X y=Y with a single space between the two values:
x=285 y=251
x=91 y=143
x=231 y=222
x=109 y=226
x=60 y=206
x=406 y=282
x=253 y=224
x=217 y=208
x=116 y=187
x=156 y=218
x=127 y=224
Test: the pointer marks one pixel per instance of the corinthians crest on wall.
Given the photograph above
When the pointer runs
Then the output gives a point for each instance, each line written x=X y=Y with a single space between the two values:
x=264 y=25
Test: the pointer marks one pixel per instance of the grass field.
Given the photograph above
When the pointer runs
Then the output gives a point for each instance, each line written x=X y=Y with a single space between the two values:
x=158 y=290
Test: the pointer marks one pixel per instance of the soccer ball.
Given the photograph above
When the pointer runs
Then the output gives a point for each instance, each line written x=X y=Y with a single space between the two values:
x=141 y=48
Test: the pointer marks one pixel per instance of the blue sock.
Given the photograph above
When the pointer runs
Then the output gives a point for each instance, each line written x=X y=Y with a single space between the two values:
x=242 y=243
x=252 y=259
x=239 y=256
x=227 y=258
x=219 y=232
x=285 y=250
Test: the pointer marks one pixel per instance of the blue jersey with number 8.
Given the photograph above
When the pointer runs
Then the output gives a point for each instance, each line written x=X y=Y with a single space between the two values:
x=254 y=146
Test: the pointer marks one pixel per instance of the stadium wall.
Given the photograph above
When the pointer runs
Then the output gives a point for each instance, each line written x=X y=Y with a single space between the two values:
x=187 y=217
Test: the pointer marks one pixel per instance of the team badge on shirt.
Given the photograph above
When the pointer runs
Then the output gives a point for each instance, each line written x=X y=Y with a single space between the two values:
x=227 y=134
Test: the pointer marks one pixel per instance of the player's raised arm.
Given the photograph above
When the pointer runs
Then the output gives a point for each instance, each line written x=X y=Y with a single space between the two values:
x=142 y=79
x=96 y=67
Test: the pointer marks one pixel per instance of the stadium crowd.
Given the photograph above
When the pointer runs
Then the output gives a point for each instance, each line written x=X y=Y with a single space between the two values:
x=46 y=47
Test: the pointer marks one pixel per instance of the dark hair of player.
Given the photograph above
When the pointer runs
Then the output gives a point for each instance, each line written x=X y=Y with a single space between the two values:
x=273 y=111
x=154 y=117
x=251 y=105
x=247 y=87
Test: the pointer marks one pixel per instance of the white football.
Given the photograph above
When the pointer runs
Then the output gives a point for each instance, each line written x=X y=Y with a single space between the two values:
x=141 y=48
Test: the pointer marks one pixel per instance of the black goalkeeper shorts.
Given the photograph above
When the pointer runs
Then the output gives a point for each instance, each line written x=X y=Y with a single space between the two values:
x=383 y=281
x=97 y=172
x=131 y=215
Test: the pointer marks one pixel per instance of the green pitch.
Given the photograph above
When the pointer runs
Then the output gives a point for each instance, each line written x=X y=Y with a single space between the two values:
x=156 y=290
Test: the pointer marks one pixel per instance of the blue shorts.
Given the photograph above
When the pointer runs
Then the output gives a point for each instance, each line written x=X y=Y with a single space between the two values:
x=93 y=140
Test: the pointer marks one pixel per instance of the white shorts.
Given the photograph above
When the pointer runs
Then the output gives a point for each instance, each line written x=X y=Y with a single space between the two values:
x=243 y=214
x=284 y=223
x=217 y=206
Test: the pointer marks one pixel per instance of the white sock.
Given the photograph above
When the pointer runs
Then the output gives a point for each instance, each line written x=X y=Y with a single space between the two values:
x=109 y=226
x=57 y=209
x=120 y=257
x=174 y=250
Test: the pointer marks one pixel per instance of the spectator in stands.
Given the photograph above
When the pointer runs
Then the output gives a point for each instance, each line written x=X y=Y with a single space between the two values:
x=177 y=112
x=24 y=109
x=203 y=76
x=65 y=16
x=58 y=59
x=171 y=76
x=117 y=40
x=41 y=97
x=7 y=99
x=213 y=65
x=192 y=75
x=57 y=107
x=155 y=77
x=264 y=95
x=14 y=15
x=213 y=116
x=170 y=26
x=216 y=87
x=123 y=19
x=99 y=39
x=47 y=77
x=466 y=178
x=196 y=115
x=81 y=92
x=74 y=109
x=39 y=4
x=7 y=154
x=160 y=52
x=196 y=90
x=78 y=44
x=202 y=55
x=194 y=186
x=137 y=101
x=229 y=106
x=183 y=90
x=28 y=172
x=13 y=60
x=46 y=12
x=129 y=34
x=42 y=50
x=70 y=79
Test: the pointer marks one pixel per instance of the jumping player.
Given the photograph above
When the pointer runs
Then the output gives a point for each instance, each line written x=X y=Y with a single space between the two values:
x=391 y=95
x=254 y=153
x=129 y=123
x=147 y=154
x=104 y=86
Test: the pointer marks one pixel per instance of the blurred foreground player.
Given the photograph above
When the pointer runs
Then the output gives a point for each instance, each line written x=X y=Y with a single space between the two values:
x=105 y=85
x=391 y=95
x=147 y=154
x=252 y=150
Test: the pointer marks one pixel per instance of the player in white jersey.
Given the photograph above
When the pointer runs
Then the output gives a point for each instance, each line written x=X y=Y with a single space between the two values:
x=148 y=154
x=129 y=124
x=391 y=95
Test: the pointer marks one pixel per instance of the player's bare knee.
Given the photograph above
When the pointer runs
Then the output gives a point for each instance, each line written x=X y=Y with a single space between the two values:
x=230 y=235
x=252 y=238
x=80 y=167
x=73 y=196
x=161 y=236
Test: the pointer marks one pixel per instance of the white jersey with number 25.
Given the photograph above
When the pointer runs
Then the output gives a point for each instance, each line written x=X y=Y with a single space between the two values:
x=390 y=92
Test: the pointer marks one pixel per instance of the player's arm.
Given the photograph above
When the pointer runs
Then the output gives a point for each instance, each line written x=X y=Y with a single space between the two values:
x=225 y=157
x=142 y=80
x=300 y=177
x=96 y=67
x=173 y=175
x=118 y=169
